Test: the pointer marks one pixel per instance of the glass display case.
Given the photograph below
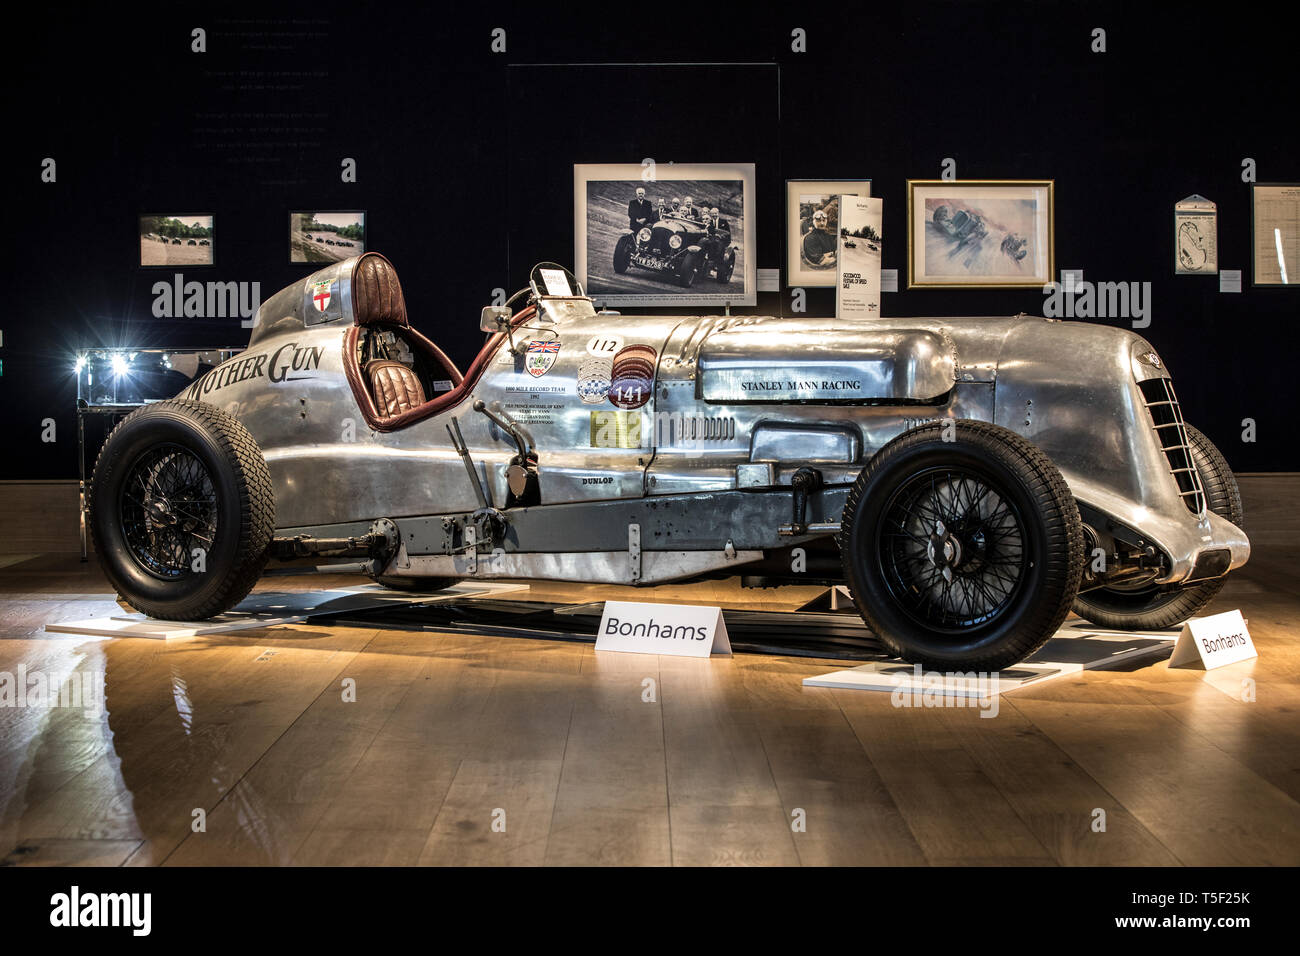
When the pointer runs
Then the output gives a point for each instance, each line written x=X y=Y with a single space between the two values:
x=113 y=382
x=131 y=377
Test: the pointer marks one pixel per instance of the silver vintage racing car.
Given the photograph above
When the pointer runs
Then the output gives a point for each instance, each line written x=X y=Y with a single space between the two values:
x=971 y=480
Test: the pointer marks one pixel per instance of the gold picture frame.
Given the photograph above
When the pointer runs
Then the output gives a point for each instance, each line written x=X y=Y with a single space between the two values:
x=981 y=233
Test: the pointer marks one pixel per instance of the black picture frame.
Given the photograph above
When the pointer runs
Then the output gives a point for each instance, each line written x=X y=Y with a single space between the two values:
x=352 y=251
x=1254 y=248
x=141 y=237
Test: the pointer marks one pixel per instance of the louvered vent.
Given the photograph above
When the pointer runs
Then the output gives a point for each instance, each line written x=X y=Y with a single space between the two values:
x=1167 y=420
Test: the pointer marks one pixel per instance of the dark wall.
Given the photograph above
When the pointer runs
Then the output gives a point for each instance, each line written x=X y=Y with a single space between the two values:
x=465 y=159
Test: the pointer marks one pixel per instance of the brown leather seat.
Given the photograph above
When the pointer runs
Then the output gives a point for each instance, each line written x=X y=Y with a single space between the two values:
x=392 y=398
x=386 y=389
x=376 y=293
x=395 y=387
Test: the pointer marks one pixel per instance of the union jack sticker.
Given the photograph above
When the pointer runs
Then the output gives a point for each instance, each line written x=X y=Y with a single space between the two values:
x=541 y=356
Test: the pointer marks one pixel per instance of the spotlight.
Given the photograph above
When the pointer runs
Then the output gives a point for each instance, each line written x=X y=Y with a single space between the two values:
x=119 y=364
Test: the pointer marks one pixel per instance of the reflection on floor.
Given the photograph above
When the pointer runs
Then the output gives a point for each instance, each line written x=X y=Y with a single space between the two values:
x=246 y=748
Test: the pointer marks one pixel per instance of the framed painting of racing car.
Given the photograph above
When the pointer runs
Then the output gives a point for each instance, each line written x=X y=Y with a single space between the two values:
x=993 y=233
x=812 y=220
x=665 y=235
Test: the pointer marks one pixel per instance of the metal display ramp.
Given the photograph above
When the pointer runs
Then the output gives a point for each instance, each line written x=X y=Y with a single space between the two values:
x=813 y=631
x=827 y=635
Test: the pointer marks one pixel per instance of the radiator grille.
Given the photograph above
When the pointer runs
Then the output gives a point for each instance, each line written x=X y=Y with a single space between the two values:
x=1167 y=420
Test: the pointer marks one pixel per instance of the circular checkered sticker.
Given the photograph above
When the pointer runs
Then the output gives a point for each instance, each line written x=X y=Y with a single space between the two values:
x=593 y=380
x=593 y=391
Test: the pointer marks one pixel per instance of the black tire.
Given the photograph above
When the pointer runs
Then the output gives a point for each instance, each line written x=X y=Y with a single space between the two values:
x=172 y=477
x=726 y=267
x=623 y=253
x=688 y=270
x=394 y=583
x=1000 y=564
x=1151 y=608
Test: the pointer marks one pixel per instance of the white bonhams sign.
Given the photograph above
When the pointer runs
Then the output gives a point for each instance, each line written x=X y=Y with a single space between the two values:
x=1213 y=641
x=683 y=630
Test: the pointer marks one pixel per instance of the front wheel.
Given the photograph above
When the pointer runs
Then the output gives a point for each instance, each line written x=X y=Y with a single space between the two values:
x=181 y=510
x=688 y=270
x=1150 y=608
x=623 y=253
x=962 y=546
x=726 y=267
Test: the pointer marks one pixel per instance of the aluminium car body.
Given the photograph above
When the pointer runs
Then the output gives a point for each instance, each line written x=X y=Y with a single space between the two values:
x=598 y=447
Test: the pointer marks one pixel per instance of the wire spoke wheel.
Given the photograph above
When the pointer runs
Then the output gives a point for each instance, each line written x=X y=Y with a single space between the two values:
x=168 y=510
x=952 y=549
x=181 y=510
x=962 y=546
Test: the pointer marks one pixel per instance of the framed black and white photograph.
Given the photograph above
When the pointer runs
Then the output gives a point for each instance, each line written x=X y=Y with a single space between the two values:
x=175 y=240
x=812 y=212
x=665 y=235
x=326 y=236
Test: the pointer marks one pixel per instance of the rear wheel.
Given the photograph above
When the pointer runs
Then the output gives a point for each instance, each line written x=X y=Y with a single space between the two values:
x=1149 y=608
x=181 y=510
x=963 y=553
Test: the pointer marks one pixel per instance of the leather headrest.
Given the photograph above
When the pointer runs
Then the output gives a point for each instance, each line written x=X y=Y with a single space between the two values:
x=376 y=294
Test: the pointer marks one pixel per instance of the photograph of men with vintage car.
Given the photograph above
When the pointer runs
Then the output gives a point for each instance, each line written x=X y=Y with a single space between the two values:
x=812 y=219
x=176 y=240
x=671 y=235
x=326 y=236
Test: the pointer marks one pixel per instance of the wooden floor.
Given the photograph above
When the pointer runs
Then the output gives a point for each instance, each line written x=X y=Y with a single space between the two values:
x=451 y=734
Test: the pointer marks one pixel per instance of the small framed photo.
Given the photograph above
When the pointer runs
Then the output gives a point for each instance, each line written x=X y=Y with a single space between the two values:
x=174 y=240
x=685 y=237
x=1275 y=233
x=976 y=234
x=323 y=237
x=812 y=222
